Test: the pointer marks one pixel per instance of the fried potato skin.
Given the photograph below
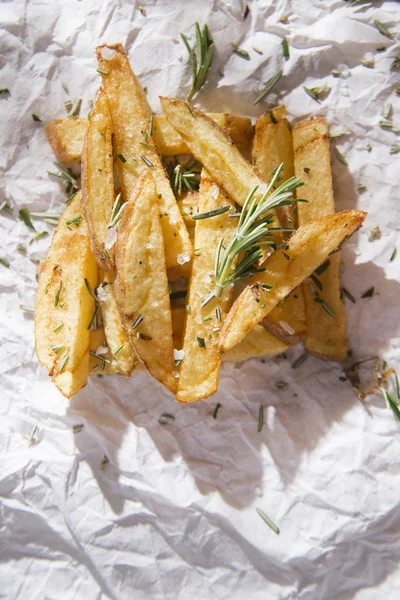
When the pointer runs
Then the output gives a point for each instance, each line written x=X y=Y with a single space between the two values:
x=98 y=179
x=309 y=247
x=135 y=150
x=66 y=137
x=141 y=285
x=62 y=297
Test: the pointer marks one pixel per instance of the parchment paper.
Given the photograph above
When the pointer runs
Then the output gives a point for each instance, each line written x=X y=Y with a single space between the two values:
x=173 y=513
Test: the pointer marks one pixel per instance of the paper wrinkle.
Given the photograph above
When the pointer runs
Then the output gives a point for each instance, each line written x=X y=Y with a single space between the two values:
x=172 y=515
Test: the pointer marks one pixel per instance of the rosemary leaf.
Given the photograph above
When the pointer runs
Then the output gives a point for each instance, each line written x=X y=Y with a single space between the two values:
x=285 y=49
x=25 y=216
x=317 y=92
x=212 y=213
x=137 y=321
x=4 y=91
x=122 y=158
x=382 y=29
x=369 y=293
x=242 y=53
x=36 y=118
x=39 y=236
x=393 y=255
x=102 y=72
x=27 y=309
x=268 y=521
x=348 y=295
x=340 y=156
x=299 y=361
x=375 y=234
x=257 y=50
x=321 y=269
x=4 y=262
x=200 y=342
x=77 y=428
x=166 y=419
x=326 y=308
x=268 y=86
x=395 y=148
x=216 y=410
x=260 y=418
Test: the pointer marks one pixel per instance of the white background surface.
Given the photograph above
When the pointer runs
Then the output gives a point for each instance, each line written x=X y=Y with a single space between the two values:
x=173 y=514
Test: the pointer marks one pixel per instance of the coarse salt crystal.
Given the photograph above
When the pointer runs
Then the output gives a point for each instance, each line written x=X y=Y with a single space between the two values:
x=149 y=246
x=214 y=191
x=111 y=238
x=108 y=53
x=175 y=374
x=102 y=350
x=178 y=354
x=182 y=258
x=286 y=327
x=101 y=293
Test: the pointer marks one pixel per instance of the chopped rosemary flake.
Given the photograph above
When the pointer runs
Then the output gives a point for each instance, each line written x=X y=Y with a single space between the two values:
x=369 y=293
x=306 y=170
x=67 y=176
x=146 y=161
x=257 y=50
x=57 y=296
x=274 y=121
x=39 y=214
x=286 y=255
x=177 y=363
x=281 y=385
x=25 y=216
x=4 y=91
x=387 y=110
x=268 y=521
x=200 y=58
x=31 y=437
x=179 y=294
x=77 y=428
x=216 y=410
x=395 y=148
x=137 y=321
x=58 y=348
x=206 y=319
x=118 y=349
x=4 y=262
x=166 y=419
x=58 y=326
x=260 y=418
x=99 y=357
x=65 y=87
x=340 y=156
x=242 y=53
x=142 y=336
x=393 y=255
x=142 y=10
x=326 y=308
x=285 y=49
x=336 y=73
x=190 y=109
x=75 y=109
x=395 y=64
x=375 y=234
x=317 y=282
x=27 y=309
x=299 y=361
x=397 y=90
x=102 y=71
x=39 y=236
x=68 y=105
x=361 y=187
x=382 y=29
x=104 y=462
x=74 y=221
x=348 y=295
x=268 y=86
x=63 y=363
x=187 y=308
x=36 y=118
x=200 y=342
x=318 y=91
x=34 y=259
x=212 y=213
x=218 y=313
x=368 y=61
x=122 y=158
x=338 y=133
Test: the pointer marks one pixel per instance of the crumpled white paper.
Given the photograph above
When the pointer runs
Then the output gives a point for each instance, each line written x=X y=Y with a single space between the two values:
x=173 y=513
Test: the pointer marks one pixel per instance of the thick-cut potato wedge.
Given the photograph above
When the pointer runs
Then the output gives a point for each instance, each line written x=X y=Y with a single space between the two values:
x=199 y=370
x=326 y=335
x=135 y=149
x=114 y=329
x=308 y=248
x=170 y=143
x=273 y=145
x=188 y=205
x=64 y=306
x=141 y=285
x=257 y=343
x=214 y=149
x=98 y=341
x=98 y=179
x=66 y=137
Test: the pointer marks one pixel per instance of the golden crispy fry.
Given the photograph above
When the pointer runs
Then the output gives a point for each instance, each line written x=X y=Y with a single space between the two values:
x=273 y=145
x=326 y=335
x=98 y=180
x=141 y=285
x=214 y=149
x=308 y=248
x=117 y=338
x=258 y=342
x=135 y=149
x=199 y=370
x=188 y=205
x=64 y=306
x=66 y=137
x=98 y=342
x=170 y=143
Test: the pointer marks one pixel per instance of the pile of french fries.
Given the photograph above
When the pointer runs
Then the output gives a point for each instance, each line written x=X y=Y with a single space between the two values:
x=129 y=265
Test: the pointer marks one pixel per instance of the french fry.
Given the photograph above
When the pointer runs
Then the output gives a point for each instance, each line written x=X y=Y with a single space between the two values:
x=214 y=149
x=188 y=205
x=66 y=136
x=141 y=285
x=199 y=370
x=257 y=343
x=170 y=143
x=117 y=338
x=308 y=248
x=98 y=179
x=64 y=306
x=97 y=366
x=326 y=334
x=135 y=149
x=273 y=145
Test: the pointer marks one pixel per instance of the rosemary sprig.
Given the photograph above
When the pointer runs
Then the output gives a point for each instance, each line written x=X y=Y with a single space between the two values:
x=254 y=224
x=272 y=81
x=200 y=58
